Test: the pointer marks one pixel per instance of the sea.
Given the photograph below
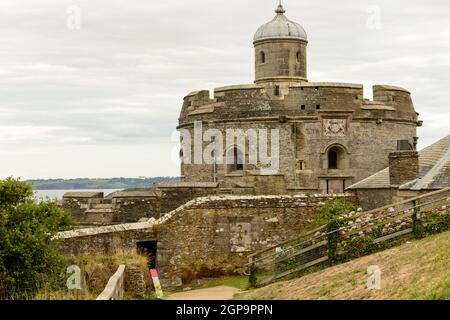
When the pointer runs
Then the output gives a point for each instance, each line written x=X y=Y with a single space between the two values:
x=58 y=194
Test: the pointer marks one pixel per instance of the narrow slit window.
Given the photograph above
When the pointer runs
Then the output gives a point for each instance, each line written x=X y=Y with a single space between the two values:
x=277 y=90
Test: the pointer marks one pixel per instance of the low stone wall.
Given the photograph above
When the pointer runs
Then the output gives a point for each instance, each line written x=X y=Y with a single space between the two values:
x=110 y=239
x=134 y=281
x=212 y=236
x=92 y=209
x=370 y=199
x=207 y=236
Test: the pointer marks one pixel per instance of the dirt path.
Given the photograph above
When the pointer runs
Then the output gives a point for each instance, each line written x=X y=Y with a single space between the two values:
x=215 y=293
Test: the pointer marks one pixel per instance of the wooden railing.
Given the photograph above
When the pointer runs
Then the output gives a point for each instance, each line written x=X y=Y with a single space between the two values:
x=389 y=223
x=115 y=288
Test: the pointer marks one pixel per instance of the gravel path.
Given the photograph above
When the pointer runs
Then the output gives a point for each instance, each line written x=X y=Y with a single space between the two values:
x=215 y=293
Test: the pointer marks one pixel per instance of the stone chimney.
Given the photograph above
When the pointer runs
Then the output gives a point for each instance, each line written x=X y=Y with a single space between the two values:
x=403 y=166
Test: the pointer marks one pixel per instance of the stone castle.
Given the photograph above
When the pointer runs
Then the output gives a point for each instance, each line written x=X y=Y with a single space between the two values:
x=330 y=136
x=331 y=140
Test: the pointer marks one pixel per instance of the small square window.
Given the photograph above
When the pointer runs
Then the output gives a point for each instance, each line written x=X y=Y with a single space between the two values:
x=303 y=107
x=300 y=165
x=318 y=107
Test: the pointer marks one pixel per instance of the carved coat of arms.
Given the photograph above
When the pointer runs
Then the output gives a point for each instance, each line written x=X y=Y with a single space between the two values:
x=334 y=127
x=240 y=240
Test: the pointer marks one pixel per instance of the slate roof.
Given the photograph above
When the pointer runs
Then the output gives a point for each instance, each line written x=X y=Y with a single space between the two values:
x=434 y=170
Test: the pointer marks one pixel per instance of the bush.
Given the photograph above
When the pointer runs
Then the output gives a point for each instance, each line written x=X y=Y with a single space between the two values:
x=252 y=279
x=330 y=211
x=436 y=222
x=28 y=255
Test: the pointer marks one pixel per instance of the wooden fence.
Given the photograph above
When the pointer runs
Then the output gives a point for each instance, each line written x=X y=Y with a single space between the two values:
x=115 y=288
x=375 y=229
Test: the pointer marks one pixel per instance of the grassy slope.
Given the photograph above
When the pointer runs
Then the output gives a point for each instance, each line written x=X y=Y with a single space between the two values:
x=416 y=270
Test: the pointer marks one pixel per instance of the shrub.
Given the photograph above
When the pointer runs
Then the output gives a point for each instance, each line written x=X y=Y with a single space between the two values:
x=252 y=279
x=330 y=211
x=28 y=255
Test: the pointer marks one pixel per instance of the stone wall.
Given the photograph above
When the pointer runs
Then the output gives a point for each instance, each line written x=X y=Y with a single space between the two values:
x=370 y=199
x=283 y=59
x=403 y=167
x=207 y=236
x=106 y=240
x=131 y=206
x=312 y=118
x=134 y=281
x=78 y=202
x=212 y=236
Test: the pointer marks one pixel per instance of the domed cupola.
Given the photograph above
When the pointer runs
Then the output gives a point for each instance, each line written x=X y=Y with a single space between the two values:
x=280 y=51
x=280 y=28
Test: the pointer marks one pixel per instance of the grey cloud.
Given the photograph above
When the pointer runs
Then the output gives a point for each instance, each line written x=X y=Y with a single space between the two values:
x=117 y=84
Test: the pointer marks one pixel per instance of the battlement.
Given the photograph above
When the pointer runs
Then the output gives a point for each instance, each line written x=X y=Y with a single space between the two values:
x=296 y=99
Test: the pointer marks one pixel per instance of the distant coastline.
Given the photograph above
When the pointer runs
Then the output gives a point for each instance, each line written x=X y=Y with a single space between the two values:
x=95 y=184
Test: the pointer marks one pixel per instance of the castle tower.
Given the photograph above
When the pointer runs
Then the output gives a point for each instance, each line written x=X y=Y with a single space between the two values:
x=280 y=50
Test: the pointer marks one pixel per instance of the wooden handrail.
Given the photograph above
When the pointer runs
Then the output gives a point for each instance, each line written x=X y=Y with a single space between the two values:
x=251 y=256
x=114 y=288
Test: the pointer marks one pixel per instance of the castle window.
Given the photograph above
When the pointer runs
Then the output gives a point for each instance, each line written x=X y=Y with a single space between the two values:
x=300 y=165
x=277 y=90
x=318 y=107
x=299 y=57
x=332 y=159
x=336 y=157
x=235 y=160
x=263 y=57
x=303 y=107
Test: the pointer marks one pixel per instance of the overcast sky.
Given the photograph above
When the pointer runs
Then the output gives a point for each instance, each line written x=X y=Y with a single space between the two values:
x=103 y=100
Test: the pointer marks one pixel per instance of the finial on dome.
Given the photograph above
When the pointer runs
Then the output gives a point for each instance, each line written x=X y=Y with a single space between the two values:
x=280 y=9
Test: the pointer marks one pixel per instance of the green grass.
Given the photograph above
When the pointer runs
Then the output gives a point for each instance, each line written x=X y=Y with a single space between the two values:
x=240 y=282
